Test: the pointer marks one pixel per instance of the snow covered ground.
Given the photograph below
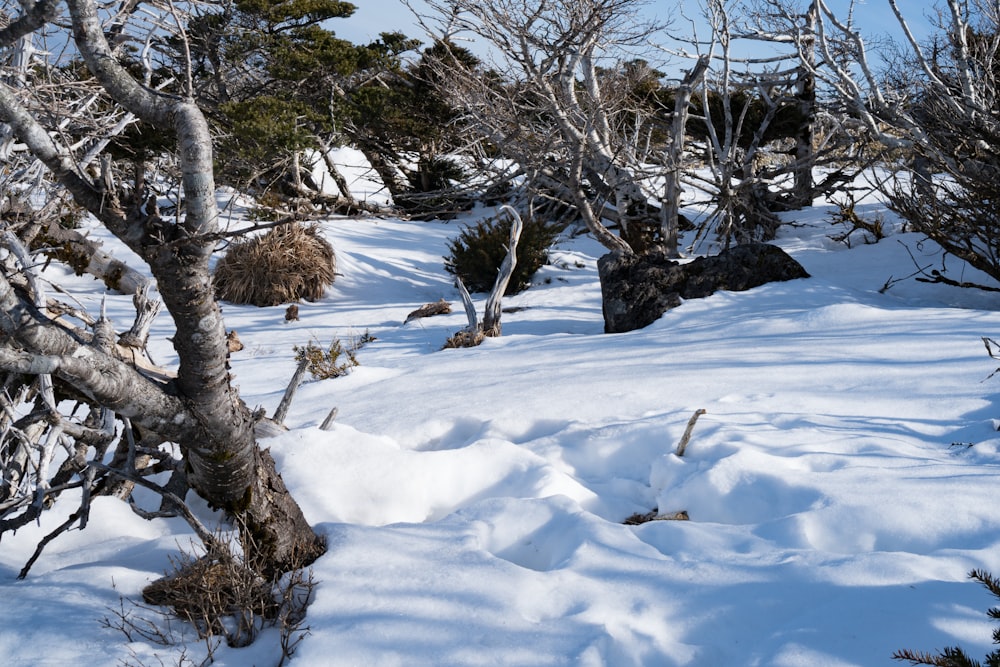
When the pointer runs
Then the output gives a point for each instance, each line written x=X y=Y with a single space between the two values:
x=841 y=485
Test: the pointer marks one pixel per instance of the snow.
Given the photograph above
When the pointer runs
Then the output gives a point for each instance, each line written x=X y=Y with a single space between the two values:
x=840 y=486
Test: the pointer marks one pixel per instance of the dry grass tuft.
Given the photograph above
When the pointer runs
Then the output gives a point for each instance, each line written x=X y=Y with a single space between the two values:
x=288 y=263
x=465 y=338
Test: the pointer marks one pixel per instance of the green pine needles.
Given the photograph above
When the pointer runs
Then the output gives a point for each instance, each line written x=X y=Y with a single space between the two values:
x=955 y=656
x=477 y=253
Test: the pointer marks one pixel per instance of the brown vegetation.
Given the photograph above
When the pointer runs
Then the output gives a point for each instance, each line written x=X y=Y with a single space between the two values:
x=288 y=263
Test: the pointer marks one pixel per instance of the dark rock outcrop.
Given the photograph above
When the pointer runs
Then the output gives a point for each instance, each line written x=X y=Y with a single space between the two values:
x=638 y=289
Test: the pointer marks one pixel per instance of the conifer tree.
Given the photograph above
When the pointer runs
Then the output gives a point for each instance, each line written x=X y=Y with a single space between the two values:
x=274 y=76
x=954 y=656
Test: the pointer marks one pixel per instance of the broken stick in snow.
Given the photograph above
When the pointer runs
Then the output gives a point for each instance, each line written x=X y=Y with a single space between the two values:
x=286 y=401
x=491 y=316
x=682 y=445
x=328 y=422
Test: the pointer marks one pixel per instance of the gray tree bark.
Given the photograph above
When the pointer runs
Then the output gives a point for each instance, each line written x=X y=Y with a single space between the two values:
x=670 y=220
x=806 y=96
x=200 y=409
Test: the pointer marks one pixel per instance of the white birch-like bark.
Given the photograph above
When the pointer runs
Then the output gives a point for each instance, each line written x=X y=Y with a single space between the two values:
x=670 y=221
x=491 y=315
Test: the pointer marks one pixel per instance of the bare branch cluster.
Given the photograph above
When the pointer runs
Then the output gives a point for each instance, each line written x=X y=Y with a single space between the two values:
x=130 y=419
x=560 y=105
x=218 y=595
x=933 y=113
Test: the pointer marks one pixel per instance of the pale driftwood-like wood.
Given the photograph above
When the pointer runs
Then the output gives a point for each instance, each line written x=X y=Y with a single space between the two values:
x=470 y=308
x=491 y=316
x=472 y=334
x=475 y=332
x=146 y=310
x=639 y=519
x=286 y=401
x=682 y=445
x=87 y=256
x=330 y=418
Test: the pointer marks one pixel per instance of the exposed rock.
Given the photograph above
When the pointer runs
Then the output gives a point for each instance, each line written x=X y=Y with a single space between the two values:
x=638 y=289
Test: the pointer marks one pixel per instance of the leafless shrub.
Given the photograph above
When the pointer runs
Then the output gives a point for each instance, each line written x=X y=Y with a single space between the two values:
x=333 y=361
x=846 y=215
x=220 y=596
x=288 y=263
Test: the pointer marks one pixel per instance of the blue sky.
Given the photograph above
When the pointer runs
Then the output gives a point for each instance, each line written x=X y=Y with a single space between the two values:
x=373 y=17
x=376 y=16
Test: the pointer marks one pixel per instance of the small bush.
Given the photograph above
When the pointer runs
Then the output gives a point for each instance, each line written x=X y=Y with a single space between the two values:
x=477 y=253
x=288 y=263
x=221 y=596
x=332 y=362
x=871 y=231
x=436 y=174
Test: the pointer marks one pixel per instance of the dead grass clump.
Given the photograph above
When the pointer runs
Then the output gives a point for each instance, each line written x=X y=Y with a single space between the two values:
x=465 y=338
x=206 y=592
x=220 y=596
x=288 y=263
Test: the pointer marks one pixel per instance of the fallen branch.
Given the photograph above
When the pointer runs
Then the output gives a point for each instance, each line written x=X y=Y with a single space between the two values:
x=938 y=277
x=440 y=307
x=654 y=515
x=84 y=255
x=293 y=385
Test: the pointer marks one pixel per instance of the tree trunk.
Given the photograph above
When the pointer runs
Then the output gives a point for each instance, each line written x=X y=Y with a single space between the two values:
x=338 y=178
x=670 y=212
x=201 y=409
x=806 y=96
x=390 y=175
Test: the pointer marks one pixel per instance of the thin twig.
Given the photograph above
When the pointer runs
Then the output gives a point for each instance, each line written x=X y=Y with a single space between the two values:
x=62 y=528
x=210 y=541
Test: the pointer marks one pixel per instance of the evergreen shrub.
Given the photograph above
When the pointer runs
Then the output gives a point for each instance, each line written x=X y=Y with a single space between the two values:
x=955 y=656
x=434 y=192
x=477 y=253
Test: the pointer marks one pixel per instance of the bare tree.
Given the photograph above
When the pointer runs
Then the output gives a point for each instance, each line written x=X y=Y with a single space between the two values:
x=752 y=108
x=199 y=409
x=674 y=154
x=936 y=104
x=554 y=103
